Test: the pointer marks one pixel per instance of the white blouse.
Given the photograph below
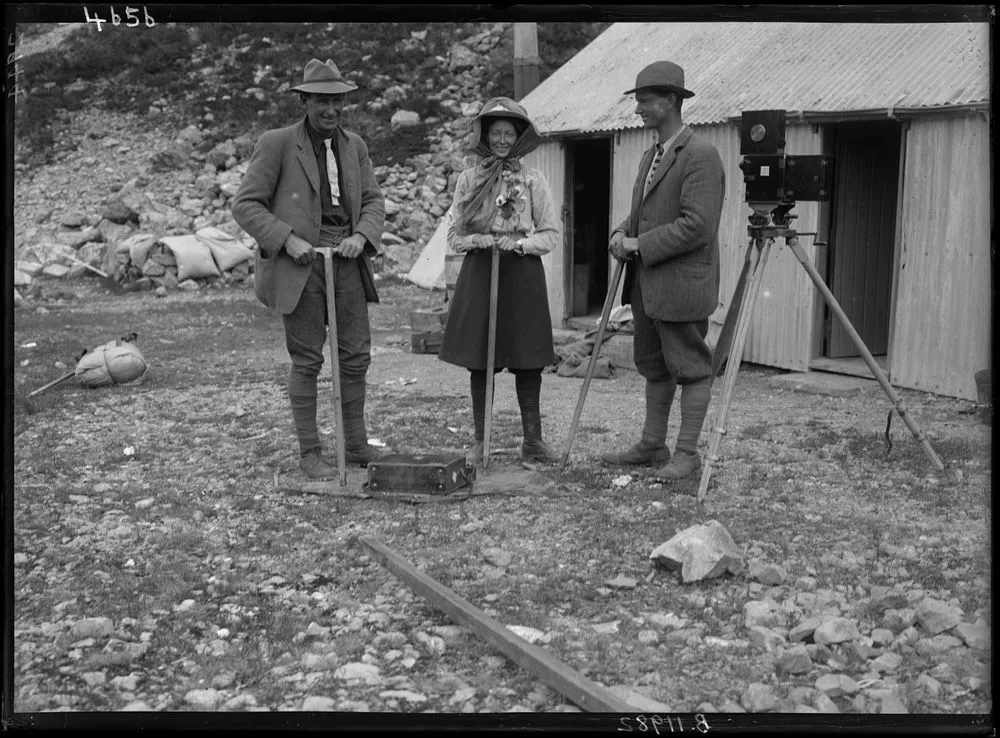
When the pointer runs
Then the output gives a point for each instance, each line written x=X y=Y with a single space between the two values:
x=534 y=220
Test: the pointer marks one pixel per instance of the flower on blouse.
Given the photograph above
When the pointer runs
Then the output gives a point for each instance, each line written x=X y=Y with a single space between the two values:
x=512 y=195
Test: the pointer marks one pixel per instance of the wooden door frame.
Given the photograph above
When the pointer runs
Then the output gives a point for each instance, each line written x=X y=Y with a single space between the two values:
x=569 y=213
x=827 y=212
x=897 y=246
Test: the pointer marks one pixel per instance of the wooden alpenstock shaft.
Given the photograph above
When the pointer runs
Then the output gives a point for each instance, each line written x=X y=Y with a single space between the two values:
x=331 y=329
x=491 y=352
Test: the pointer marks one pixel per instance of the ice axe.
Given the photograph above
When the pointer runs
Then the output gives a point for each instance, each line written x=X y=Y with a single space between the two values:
x=127 y=338
x=491 y=350
x=68 y=375
x=331 y=332
x=109 y=281
x=598 y=340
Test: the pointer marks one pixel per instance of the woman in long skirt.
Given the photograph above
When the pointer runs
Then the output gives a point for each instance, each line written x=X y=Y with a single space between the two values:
x=503 y=204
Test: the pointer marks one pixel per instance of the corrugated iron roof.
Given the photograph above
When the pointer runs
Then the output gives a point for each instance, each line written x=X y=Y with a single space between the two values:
x=733 y=66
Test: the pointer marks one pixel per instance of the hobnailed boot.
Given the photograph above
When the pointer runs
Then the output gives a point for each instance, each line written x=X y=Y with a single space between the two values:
x=533 y=448
x=643 y=453
x=695 y=397
x=356 y=447
x=651 y=449
x=316 y=466
x=528 y=386
x=683 y=465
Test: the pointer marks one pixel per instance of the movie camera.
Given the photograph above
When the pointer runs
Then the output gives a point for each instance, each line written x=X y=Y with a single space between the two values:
x=775 y=181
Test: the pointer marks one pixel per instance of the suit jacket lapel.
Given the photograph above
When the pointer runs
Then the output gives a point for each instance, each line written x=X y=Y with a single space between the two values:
x=307 y=156
x=349 y=173
x=640 y=183
x=669 y=157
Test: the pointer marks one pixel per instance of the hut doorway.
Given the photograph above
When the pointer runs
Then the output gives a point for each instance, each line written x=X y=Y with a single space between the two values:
x=587 y=224
x=862 y=241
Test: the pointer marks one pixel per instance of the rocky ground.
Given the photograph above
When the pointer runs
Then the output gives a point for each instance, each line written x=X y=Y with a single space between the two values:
x=157 y=566
x=115 y=178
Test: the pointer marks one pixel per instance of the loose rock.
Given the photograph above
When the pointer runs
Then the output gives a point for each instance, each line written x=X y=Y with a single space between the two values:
x=836 y=630
x=759 y=698
x=936 y=617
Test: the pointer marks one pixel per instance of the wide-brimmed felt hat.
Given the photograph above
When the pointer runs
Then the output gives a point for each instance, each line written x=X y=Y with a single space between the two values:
x=662 y=75
x=323 y=78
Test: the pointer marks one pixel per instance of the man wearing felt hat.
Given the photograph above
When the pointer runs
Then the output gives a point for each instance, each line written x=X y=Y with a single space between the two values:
x=670 y=243
x=312 y=185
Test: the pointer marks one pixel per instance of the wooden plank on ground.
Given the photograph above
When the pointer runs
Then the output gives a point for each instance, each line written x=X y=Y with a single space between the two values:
x=584 y=692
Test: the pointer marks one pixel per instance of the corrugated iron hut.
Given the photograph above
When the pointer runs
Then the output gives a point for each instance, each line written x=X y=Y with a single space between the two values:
x=904 y=108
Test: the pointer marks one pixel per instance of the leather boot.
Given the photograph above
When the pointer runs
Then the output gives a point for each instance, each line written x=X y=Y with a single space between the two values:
x=316 y=466
x=683 y=465
x=533 y=448
x=528 y=386
x=644 y=453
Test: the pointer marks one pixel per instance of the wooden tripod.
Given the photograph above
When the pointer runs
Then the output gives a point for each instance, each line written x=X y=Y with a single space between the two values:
x=737 y=324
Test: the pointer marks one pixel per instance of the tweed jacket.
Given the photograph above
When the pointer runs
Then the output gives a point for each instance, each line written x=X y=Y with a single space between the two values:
x=677 y=224
x=280 y=194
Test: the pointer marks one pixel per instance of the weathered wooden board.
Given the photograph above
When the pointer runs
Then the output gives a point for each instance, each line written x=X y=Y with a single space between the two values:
x=584 y=692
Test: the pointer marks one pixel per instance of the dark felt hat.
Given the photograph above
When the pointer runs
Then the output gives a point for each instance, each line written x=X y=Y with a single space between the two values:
x=661 y=75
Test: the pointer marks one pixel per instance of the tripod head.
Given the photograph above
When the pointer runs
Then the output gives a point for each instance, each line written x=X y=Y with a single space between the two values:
x=771 y=220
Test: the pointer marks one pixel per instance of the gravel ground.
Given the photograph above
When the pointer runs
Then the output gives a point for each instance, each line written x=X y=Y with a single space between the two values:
x=157 y=568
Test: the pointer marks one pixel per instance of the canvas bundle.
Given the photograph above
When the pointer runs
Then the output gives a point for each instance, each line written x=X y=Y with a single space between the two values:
x=116 y=362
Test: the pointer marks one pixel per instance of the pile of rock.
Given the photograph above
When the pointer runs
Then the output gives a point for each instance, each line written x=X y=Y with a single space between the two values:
x=183 y=186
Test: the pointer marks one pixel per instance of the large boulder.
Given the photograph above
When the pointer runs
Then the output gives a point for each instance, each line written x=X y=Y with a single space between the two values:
x=700 y=552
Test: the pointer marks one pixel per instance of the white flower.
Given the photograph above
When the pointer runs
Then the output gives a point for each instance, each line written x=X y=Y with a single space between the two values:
x=129 y=451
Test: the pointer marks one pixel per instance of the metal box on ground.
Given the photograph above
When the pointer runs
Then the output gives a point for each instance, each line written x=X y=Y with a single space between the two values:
x=429 y=320
x=427 y=325
x=425 y=473
x=426 y=343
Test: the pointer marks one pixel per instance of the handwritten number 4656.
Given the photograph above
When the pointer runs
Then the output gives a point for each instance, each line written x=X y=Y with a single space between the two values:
x=131 y=17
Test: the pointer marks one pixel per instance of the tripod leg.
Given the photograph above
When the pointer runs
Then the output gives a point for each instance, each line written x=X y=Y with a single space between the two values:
x=743 y=319
x=897 y=401
x=725 y=339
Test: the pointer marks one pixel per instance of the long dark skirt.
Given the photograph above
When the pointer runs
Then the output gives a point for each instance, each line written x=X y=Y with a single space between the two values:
x=524 y=326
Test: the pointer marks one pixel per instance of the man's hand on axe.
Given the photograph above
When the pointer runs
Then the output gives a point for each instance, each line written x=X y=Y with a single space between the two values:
x=621 y=247
x=351 y=247
x=299 y=249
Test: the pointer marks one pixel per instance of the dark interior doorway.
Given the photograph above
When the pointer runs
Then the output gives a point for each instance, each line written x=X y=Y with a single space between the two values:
x=591 y=208
x=863 y=224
